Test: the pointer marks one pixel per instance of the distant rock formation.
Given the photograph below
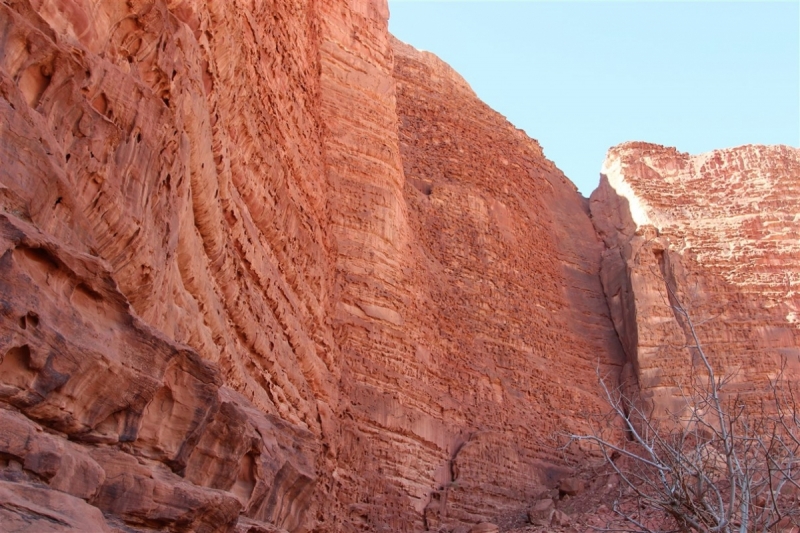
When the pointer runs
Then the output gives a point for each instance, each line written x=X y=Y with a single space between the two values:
x=722 y=231
x=266 y=268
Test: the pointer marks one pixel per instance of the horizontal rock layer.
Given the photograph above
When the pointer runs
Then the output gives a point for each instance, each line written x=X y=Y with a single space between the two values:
x=716 y=234
x=146 y=267
x=510 y=320
x=208 y=197
x=103 y=407
x=265 y=268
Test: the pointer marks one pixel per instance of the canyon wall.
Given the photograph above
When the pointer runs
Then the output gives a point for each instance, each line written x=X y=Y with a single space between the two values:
x=513 y=322
x=266 y=268
x=717 y=235
x=261 y=271
x=168 y=267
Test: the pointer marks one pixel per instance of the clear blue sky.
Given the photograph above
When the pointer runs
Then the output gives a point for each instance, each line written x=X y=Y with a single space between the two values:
x=582 y=76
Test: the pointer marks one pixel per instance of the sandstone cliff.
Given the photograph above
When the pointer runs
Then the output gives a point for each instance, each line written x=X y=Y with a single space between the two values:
x=265 y=268
x=512 y=308
x=261 y=268
x=716 y=233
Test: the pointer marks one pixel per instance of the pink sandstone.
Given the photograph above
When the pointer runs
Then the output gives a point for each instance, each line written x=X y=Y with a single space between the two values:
x=265 y=268
x=721 y=230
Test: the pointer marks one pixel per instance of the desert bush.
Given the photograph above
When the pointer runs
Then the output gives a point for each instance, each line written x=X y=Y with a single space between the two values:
x=721 y=462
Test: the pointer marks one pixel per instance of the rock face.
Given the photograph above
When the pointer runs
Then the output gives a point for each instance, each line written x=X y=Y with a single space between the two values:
x=716 y=233
x=265 y=268
x=508 y=314
x=257 y=273
x=144 y=267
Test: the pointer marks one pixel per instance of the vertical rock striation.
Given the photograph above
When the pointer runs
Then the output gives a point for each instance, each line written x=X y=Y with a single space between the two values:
x=305 y=291
x=164 y=194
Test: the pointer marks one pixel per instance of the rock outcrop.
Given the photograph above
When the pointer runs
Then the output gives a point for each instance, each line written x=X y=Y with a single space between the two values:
x=265 y=268
x=261 y=268
x=716 y=234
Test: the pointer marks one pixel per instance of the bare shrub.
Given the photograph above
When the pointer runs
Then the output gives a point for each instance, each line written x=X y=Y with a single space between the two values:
x=720 y=463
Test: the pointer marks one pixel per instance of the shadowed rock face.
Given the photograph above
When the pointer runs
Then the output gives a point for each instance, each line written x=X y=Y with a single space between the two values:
x=721 y=231
x=265 y=268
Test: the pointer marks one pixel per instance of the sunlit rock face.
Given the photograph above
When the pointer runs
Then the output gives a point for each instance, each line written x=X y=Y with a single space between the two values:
x=262 y=269
x=168 y=264
x=721 y=232
x=265 y=268
x=510 y=321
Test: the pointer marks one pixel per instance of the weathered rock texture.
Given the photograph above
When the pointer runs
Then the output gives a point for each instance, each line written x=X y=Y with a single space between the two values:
x=145 y=266
x=508 y=314
x=721 y=231
x=264 y=268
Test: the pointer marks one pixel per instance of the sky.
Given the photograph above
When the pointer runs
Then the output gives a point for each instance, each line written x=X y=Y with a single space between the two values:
x=583 y=76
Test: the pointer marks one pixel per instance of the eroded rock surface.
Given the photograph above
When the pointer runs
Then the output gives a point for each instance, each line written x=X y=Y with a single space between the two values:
x=256 y=263
x=144 y=268
x=716 y=233
x=508 y=318
x=265 y=268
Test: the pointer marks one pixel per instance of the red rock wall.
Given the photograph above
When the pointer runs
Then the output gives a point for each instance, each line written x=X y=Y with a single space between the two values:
x=177 y=150
x=510 y=318
x=198 y=198
x=265 y=267
x=721 y=229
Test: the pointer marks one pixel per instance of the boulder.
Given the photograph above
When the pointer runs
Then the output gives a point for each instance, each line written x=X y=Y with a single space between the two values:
x=30 y=509
x=541 y=513
x=560 y=519
x=571 y=486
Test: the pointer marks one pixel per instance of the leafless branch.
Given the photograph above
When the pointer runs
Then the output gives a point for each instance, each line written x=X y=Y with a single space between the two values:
x=717 y=464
